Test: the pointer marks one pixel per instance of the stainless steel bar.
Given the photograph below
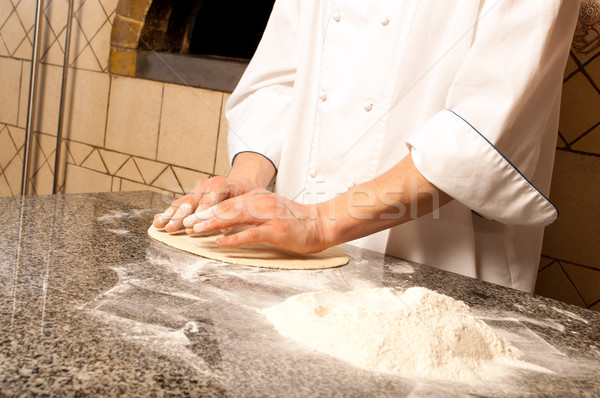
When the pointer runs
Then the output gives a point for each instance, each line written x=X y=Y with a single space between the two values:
x=63 y=92
x=31 y=102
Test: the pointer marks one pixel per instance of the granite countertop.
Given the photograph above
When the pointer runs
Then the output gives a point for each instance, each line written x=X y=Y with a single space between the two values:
x=90 y=305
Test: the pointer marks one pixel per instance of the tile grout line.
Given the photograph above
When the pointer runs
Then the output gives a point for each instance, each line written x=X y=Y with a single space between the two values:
x=578 y=152
x=546 y=266
x=572 y=263
x=162 y=102
x=131 y=155
x=572 y=283
x=110 y=79
x=583 y=135
x=218 y=135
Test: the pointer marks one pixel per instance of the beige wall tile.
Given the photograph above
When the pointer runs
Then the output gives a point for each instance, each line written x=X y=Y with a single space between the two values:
x=13 y=33
x=47 y=144
x=113 y=160
x=13 y=173
x=590 y=143
x=100 y=44
x=53 y=53
x=26 y=11
x=6 y=9
x=91 y=17
x=570 y=67
x=56 y=14
x=3 y=50
x=135 y=186
x=18 y=135
x=188 y=128
x=7 y=148
x=80 y=180
x=575 y=191
x=78 y=151
x=222 y=161
x=593 y=69
x=4 y=188
x=24 y=93
x=48 y=99
x=188 y=178
x=9 y=90
x=553 y=283
x=23 y=51
x=86 y=106
x=116 y=184
x=42 y=151
x=580 y=107
x=94 y=162
x=130 y=171
x=586 y=280
x=168 y=181
x=78 y=42
x=544 y=261
x=86 y=59
x=150 y=169
x=42 y=181
x=109 y=6
x=133 y=116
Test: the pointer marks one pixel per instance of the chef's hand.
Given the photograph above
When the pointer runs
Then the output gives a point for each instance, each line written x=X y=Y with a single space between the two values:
x=275 y=220
x=207 y=192
x=249 y=171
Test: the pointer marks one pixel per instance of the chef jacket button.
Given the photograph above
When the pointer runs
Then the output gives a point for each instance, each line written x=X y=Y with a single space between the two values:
x=367 y=106
x=312 y=173
x=384 y=21
x=337 y=16
x=350 y=184
x=323 y=95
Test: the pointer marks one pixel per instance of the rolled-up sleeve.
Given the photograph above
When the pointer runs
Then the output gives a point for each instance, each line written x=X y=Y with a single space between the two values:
x=483 y=149
x=257 y=108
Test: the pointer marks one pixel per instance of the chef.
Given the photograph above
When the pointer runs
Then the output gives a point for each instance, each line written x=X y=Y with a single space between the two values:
x=423 y=129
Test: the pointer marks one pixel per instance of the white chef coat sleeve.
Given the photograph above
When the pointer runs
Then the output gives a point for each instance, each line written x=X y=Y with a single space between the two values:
x=483 y=148
x=257 y=108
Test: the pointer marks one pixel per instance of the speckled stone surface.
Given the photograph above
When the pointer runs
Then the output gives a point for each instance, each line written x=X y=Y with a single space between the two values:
x=90 y=305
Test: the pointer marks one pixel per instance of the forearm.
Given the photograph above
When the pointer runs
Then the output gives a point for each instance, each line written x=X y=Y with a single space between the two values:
x=252 y=170
x=395 y=197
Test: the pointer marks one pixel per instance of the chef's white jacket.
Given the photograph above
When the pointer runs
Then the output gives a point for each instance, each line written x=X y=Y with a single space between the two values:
x=339 y=91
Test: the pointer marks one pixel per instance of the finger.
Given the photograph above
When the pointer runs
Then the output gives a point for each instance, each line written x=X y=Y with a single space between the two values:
x=176 y=222
x=246 y=237
x=199 y=216
x=221 y=220
x=205 y=207
x=161 y=219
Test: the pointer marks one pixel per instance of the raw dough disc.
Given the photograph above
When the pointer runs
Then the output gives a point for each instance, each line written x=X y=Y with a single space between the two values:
x=259 y=255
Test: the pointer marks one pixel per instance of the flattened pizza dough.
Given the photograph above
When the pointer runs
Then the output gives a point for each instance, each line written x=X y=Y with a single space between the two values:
x=259 y=255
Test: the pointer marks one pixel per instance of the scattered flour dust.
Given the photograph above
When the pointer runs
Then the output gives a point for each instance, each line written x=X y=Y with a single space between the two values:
x=420 y=333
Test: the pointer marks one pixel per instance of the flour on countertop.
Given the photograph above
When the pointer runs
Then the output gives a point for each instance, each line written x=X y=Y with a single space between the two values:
x=420 y=333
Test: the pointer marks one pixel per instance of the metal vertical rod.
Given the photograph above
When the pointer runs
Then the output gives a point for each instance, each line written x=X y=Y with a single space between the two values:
x=31 y=103
x=63 y=92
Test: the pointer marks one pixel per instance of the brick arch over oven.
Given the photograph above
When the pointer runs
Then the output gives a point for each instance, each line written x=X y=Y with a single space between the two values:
x=126 y=30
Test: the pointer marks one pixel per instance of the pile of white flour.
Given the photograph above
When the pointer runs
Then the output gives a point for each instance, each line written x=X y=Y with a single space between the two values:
x=420 y=333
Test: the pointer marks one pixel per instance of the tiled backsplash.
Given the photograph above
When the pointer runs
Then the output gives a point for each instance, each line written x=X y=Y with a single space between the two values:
x=123 y=133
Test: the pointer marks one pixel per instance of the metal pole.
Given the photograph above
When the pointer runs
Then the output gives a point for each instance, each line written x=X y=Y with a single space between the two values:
x=59 y=133
x=31 y=103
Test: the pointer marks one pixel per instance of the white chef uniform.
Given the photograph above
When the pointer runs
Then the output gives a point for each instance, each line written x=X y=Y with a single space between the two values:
x=339 y=91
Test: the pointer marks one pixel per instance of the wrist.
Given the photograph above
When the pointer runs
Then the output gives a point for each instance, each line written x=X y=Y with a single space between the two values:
x=252 y=170
x=328 y=225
